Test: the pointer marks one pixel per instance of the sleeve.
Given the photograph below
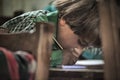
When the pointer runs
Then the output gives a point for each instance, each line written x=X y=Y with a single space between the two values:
x=92 y=53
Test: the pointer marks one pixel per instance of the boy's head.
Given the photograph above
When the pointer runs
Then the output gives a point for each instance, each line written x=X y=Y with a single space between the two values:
x=82 y=17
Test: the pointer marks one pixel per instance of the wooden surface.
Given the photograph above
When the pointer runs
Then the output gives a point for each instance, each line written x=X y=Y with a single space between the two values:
x=76 y=74
x=44 y=51
x=109 y=26
x=77 y=70
x=38 y=43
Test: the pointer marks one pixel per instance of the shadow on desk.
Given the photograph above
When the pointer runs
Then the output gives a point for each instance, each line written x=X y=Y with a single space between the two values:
x=76 y=74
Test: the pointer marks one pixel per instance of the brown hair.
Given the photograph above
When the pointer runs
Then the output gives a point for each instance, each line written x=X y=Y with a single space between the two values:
x=83 y=18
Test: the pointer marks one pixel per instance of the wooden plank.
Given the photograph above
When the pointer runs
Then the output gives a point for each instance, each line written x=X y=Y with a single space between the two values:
x=110 y=38
x=44 y=51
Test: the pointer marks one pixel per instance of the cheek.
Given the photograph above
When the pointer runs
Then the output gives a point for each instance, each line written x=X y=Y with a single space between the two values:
x=67 y=38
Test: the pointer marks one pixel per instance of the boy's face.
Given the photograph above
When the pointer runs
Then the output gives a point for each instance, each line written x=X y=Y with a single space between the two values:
x=69 y=41
x=66 y=36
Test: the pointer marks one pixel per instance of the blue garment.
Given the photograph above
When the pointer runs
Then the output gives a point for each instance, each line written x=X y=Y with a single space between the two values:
x=92 y=53
x=50 y=8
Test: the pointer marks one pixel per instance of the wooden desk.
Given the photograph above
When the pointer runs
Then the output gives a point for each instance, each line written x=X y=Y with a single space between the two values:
x=75 y=74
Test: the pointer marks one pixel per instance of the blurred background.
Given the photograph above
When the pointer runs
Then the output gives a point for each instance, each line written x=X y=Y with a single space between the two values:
x=8 y=7
x=11 y=8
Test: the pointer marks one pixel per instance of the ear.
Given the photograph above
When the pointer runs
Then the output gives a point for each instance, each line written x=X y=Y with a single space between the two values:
x=62 y=22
